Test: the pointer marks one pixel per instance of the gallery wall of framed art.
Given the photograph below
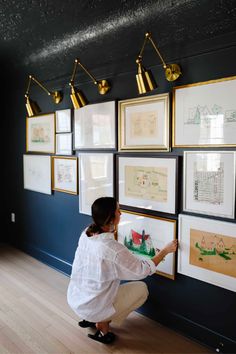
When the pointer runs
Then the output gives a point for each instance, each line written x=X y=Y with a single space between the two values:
x=188 y=173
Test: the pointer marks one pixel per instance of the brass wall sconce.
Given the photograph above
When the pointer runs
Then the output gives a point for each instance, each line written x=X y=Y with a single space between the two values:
x=32 y=106
x=77 y=97
x=144 y=77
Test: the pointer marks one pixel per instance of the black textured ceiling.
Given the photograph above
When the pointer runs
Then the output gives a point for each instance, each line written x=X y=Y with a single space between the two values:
x=43 y=37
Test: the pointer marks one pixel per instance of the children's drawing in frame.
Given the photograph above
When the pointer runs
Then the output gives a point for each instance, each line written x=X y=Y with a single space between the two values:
x=63 y=121
x=37 y=173
x=148 y=183
x=145 y=235
x=144 y=124
x=40 y=133
x=65 y=174
x=209 y=183
x=207 y=250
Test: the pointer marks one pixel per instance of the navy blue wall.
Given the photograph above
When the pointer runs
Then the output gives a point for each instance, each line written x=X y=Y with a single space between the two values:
x=48 y=227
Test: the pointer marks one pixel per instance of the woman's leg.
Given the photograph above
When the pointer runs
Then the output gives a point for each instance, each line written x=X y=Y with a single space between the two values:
x=130 y=296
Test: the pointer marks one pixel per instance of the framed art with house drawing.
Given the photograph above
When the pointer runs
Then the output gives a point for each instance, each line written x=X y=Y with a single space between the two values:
x=144 y=235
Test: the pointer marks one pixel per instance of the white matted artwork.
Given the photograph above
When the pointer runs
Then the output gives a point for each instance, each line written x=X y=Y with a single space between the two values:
x=94 y=126
x=145 y=235
x=204 y=113
x=63 y=121
x=64 y=144
x=148 y=183
x=209 y=183
x=144 y=123
x=40 y=133
x=65 y=174
x=37 y=173
x=207 y=250
x=96 y=179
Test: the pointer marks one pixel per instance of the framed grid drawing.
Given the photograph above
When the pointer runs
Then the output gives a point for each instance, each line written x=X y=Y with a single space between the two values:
x=144 y=124
x=96 y=179
x=204 y=114
x=145 y=235
x=40 y=133
x=148 y=183
x=209 y=183
x=207 y=250
x=37 y=173
x=65 y=174
x=95 y=126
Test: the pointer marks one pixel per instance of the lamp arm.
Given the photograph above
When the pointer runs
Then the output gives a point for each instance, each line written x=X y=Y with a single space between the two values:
x=40 y=85
x=148 y=36
x=28 y=87
x=77 y=62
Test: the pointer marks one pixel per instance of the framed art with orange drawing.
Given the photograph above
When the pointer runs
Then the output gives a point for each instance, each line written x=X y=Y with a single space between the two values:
x=144 y=123
x=207 y=250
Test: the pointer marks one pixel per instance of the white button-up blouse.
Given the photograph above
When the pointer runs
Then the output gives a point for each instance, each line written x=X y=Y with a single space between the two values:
x=99 y=265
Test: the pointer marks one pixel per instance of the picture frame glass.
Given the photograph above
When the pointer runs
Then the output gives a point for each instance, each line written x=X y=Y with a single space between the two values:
x=96 y=179
x=40 y=133
x=37 y=173
x=209 y=183
x=148 y=183
x=94 y=126
x=64 y=144
x=145 y=235
x=207 y=250
x=205 y=114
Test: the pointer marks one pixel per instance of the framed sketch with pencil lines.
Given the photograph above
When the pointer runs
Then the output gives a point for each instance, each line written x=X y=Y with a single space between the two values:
x=204 y=114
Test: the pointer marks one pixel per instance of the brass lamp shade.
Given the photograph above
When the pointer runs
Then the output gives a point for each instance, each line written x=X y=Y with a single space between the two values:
x=145 y=80
x=32 y=107
x=77 y=98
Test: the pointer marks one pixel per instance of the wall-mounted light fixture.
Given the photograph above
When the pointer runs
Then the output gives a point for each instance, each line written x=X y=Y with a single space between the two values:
x=77 y=97
x=32 y=106
x=145 y=78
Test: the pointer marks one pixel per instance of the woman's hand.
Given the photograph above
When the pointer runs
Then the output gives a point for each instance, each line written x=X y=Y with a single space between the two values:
x=171 y=246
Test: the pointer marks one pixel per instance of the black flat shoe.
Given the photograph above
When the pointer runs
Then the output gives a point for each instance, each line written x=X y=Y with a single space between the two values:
x=86 y=324
x=107 y=338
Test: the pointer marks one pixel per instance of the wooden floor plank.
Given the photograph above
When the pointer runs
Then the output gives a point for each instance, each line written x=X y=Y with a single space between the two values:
x=36 y=319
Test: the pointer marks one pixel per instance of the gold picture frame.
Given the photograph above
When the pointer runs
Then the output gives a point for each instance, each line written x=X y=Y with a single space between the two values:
x=143 y=124
x=65 y=174
x=204 y=114
x=144 y=235
x=40 y=133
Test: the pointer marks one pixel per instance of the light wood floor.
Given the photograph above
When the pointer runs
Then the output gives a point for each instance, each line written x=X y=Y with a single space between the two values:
x=35 y=317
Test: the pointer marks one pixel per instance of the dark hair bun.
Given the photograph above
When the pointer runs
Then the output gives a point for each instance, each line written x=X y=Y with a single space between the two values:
x=103 y=212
